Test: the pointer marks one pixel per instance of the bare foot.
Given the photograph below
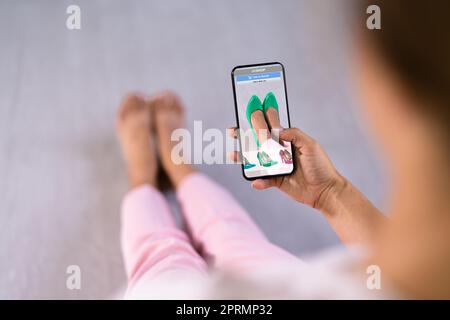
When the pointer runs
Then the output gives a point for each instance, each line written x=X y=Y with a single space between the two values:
x=273 y=120
x=169 y=115
x=134 y=129
x=260 y=126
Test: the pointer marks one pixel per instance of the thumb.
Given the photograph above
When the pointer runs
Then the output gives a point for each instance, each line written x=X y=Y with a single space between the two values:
x=297 y=137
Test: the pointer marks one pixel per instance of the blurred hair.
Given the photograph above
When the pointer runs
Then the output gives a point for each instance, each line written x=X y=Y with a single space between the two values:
x=414 y=40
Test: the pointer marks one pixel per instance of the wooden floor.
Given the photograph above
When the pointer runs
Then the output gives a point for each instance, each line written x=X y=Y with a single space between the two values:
x=61 y=174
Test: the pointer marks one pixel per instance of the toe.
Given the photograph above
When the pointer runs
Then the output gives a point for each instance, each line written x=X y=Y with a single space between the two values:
x=166 y=101
x=131 y=101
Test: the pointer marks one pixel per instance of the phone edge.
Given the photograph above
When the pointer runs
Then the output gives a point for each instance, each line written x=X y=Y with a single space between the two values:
x=237 y=116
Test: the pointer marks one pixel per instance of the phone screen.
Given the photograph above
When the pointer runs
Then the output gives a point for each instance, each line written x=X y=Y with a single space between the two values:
x=261 y=111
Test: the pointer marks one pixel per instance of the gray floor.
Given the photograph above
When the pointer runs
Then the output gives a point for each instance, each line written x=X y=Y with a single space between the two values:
x=61 y=174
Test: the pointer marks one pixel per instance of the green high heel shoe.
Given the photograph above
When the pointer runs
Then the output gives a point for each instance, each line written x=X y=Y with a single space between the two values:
x=264 y=160
x=253 y=105
x=247 y=165
x=270 y=101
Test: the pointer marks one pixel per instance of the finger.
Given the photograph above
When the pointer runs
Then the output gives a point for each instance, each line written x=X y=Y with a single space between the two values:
x=233 y=132
x=235 y=156
x=261 y=184
x=275 y=134
x=297 y=137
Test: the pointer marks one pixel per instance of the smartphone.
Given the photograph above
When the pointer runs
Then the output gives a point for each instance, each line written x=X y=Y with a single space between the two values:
x=261 y=106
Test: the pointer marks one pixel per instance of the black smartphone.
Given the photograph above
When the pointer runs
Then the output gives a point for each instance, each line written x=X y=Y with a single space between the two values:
x=261 y=105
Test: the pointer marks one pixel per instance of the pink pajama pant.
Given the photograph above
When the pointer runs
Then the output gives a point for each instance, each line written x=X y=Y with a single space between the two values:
x=222 y=232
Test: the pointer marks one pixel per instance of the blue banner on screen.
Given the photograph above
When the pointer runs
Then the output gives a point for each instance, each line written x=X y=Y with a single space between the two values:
x=252 y=77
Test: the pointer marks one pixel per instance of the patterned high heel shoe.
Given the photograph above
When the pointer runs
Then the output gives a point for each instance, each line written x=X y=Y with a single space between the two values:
x=285 y=157
x=247 y=165
x=288 y=155
x=265 y=160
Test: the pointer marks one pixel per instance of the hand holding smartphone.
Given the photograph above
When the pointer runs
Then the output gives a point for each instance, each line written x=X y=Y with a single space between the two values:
x=261 y=112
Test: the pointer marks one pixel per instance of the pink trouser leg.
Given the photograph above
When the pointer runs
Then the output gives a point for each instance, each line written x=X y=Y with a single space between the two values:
x=223 y=231
x=153 y=247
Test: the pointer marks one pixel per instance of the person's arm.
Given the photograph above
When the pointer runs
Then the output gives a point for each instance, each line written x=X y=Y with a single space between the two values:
x=351 y=215
x=316 y=183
